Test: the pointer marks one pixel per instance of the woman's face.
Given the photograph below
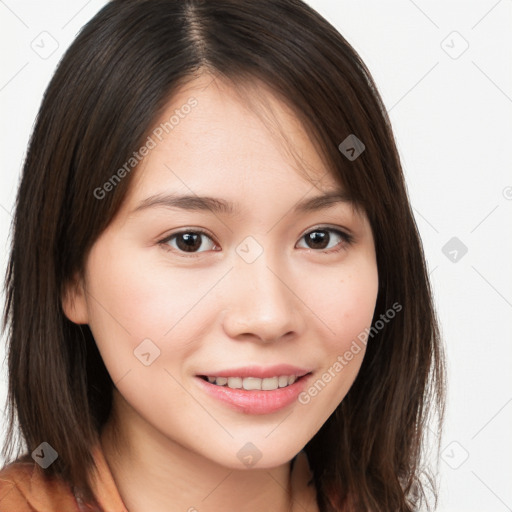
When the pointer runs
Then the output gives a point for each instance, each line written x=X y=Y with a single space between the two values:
x=266 y=293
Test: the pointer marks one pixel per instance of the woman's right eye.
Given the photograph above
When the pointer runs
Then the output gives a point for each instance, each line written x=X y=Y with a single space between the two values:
x=188 y=241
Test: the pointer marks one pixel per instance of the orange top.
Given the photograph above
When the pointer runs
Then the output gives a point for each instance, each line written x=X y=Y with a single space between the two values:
x=25 y=487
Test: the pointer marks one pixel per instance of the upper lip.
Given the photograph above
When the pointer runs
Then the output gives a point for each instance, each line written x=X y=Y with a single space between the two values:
x=259 y=371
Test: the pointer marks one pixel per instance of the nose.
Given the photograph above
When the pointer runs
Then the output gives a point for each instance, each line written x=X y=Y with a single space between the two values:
x=261 y=303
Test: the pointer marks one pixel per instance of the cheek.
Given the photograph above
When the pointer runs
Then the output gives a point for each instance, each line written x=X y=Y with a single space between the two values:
x=125 y=307
x=352 y=310
x=144 y=297
x=345 y=307
x=133 y=298
x=345 y=301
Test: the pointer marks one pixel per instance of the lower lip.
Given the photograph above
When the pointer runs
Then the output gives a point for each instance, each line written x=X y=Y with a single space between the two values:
x=255 y=401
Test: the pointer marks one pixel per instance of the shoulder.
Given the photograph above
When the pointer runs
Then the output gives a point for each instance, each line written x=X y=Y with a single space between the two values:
x=24 y=487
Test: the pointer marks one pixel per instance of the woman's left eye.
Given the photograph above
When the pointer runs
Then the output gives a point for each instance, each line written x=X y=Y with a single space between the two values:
x=319 y=239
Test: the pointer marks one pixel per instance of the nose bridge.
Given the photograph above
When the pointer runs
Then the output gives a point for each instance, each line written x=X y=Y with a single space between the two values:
x=260 y=302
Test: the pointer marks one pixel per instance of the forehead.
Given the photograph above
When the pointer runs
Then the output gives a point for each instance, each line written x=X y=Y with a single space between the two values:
x=228 y=141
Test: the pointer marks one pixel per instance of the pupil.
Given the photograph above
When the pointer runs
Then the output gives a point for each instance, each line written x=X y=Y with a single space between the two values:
x=321 y=237
x=191 y=241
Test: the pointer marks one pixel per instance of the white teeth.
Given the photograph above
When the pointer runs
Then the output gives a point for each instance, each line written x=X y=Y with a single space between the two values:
x=254 y=383
x=270 y=383
x=251 y=383
x=234 y=382
x=283 y=381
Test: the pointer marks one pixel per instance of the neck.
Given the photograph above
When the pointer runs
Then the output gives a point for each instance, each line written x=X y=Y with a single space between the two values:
x=154 y=473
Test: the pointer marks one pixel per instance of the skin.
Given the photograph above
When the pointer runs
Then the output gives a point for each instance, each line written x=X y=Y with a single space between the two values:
x=295 y=304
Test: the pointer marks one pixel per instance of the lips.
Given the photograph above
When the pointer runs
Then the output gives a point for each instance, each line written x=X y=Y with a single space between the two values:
x=255 y=389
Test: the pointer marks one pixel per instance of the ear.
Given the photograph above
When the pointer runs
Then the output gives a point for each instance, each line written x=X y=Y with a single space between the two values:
x=74 y=303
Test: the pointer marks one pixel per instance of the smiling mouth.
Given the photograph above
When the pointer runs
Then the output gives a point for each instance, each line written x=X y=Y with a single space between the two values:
x=254 y=383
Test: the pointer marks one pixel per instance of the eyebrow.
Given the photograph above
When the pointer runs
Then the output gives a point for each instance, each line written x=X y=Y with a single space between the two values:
x=217 y=205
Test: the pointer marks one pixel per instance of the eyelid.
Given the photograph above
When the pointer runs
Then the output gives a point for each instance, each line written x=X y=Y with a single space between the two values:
x=346 y=233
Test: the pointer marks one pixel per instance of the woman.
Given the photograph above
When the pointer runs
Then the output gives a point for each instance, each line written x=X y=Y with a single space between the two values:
x=217 y=295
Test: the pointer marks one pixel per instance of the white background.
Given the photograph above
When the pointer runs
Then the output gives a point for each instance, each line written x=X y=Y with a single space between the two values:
x=452 y=117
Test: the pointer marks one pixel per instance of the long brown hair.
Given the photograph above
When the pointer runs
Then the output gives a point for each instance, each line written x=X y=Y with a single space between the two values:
x=109 y=88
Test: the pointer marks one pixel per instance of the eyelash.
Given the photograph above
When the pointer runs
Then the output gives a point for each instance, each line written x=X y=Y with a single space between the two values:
x=347 y=240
